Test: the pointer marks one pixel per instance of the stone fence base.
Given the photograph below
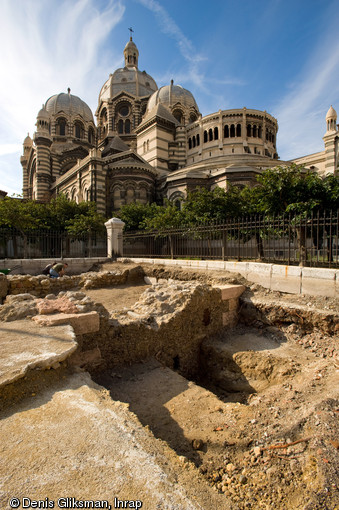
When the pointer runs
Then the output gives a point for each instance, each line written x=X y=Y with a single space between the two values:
x=35 y=266
x=291 y=279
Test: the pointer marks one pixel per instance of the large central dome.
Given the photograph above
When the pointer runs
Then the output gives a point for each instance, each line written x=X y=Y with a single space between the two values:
x=129 y=78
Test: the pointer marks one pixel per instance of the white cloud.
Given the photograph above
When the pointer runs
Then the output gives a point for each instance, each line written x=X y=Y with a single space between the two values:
x=47 y=47
x=169 y=26
x=193 y=73
x=301 y=113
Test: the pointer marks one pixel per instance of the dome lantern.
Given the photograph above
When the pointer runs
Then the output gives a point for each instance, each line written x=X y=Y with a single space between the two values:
x=131 y=54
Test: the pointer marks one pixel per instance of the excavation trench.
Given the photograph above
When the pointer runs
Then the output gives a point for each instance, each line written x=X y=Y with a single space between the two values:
x=221 y=379
x=216 y=374
x=182 y=351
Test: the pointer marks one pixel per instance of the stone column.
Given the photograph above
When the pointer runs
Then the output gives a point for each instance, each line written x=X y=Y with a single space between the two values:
x=114 y=228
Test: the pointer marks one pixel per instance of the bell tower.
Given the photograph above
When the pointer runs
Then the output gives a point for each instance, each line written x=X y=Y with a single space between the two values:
x=131 y=53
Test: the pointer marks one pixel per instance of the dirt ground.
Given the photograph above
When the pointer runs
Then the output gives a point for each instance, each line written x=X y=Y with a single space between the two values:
x=270 y=442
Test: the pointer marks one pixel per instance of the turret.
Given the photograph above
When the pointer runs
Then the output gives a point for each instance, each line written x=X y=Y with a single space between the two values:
x=43 y=142
x=331 y=141
x=27 y=147
x=131 y=54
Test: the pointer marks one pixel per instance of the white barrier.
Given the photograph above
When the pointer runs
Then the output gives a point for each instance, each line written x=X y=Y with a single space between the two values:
x=291 y=279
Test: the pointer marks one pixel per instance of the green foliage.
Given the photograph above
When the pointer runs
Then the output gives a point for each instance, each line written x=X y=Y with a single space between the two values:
x=15 y=213
x=289 y=189
x=59 y=214
x=167 y=216
x=330 y=198
x=136 y=215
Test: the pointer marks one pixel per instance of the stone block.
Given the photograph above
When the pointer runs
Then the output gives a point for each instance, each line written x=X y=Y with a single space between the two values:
x=81 y=323
x=286 y=279
x=229 y=319
x=237 y=267
x=233 y=304
x=216 y=264
x=230 y=291
x=260 y=273
x=150 y=280
x=199 y=264
x=319 y=282
x=90 y=357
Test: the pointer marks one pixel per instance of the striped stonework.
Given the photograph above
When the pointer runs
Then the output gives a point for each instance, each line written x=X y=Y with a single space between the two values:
x=43 y=170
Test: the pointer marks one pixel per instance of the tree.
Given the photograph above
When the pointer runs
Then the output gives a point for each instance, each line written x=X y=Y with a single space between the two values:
x=135 y=215
x=202 y=205
x=300 y=192
x=290 y=189
x=19 y=214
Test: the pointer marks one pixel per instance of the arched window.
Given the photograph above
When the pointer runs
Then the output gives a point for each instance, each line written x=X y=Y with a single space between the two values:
x=216 y=133
x=255 y=131
x=127 y=126
x=226 y=131
x=210 y=135
x=232 y=133
x=103 y=115
x=193 y=141
x=193 y=117
x=61 y=127
x=91 y=135
x=205 y=136
x=121 y=126
x=238 y=129
x=198 y=139
x=177 y=204
x=249 y=130
x=260 y=132
x=144 y=147
x=78 y=129
x=190 y=143
x=177 y=114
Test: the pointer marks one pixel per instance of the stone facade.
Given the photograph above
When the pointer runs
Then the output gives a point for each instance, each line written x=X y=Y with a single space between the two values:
x=150 y=143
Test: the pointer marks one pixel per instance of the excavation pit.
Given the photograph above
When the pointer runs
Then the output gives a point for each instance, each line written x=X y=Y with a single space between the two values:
x=215 y=397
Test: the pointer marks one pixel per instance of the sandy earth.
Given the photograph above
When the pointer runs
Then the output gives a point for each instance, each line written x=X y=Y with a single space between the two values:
x=274 y=442
x=259 y=429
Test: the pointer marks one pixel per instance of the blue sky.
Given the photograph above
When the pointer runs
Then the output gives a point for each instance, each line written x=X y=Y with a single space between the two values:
x=281 y=56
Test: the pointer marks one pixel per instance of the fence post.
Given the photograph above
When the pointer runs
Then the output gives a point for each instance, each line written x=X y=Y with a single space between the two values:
x=114 y=228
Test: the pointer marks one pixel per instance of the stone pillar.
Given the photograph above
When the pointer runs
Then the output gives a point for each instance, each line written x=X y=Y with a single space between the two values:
x=114 y=228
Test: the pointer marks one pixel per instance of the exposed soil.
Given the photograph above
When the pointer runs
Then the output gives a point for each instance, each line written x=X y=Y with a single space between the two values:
x=261 y=423
x=117 y=298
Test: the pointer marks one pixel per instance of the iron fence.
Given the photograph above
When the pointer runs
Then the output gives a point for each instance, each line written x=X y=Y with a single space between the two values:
x=50 y=244
x=291 y=240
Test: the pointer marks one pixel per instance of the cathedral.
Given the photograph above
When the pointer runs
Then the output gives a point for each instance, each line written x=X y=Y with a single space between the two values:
x=150 y=143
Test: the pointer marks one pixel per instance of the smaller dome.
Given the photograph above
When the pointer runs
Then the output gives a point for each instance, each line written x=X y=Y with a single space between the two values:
x=169 y=95
x=43 y=114
x=331 y=114
x=69 y=105
x=28 y=142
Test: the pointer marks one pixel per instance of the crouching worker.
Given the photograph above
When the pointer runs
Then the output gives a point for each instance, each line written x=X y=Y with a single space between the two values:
x=47 y=269
x=58 y=270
